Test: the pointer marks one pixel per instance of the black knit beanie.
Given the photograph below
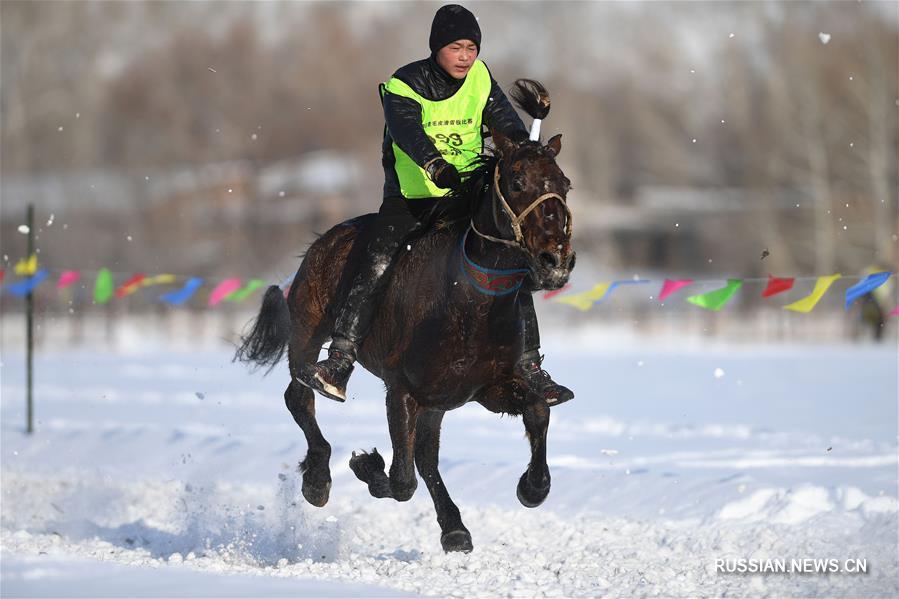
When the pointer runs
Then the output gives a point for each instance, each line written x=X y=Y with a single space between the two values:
x=453 y=22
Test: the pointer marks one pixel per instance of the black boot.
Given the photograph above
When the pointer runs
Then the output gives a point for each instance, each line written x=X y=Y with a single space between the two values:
x=329 y=377
x=540 y=382
x=528 y=366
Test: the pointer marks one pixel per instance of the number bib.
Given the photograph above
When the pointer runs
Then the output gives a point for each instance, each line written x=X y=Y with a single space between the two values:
x=453 y=125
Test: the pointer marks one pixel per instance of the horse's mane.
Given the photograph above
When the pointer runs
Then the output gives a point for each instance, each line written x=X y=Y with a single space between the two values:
x=463 y=201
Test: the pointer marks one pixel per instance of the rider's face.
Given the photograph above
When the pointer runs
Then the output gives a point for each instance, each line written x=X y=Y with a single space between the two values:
x=456 y=58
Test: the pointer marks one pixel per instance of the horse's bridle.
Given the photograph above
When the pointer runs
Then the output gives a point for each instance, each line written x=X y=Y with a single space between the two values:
x=516 y=220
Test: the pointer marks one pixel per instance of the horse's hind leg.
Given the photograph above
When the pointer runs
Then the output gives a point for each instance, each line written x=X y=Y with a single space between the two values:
x=300 y=401
x=533 y=487
x=454 y=536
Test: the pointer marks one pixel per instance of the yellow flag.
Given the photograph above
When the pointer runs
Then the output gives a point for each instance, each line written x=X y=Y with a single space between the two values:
x=27 y=266
x=158 y=280
x=807 y=303
x=585 y=299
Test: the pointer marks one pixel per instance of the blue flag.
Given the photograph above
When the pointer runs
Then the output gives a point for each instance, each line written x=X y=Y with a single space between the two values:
x=25 y=286
x=176 y=298
x=869 y=283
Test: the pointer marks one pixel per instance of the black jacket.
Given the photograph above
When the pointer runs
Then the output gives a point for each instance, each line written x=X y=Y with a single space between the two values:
x=402 y=116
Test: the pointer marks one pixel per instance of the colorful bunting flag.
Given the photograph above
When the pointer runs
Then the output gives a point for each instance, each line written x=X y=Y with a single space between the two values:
x=777 y=285
x=159 y=280
x=585 y=299
x=807 y=303
x=895 y=311
x=67 y=278
x=131 y=285
x=2 y=274
x=245 y=292
x=715 y=300
x=176 y=298
x=866 y=285
x=222 y=290
x=104 y=286
x=615 y=285
x=27 y=266
x=670 y=286
x=554 y=293
x=23 y=288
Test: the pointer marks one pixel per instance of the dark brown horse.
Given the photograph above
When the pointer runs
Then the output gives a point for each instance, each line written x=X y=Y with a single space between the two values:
x=448 y=329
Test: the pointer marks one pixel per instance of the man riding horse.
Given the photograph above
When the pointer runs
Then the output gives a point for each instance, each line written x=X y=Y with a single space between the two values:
x=434 y=111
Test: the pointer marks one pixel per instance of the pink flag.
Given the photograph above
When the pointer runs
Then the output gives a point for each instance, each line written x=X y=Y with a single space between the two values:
x=222 y=290
x=895 y=311
x=67 y=278
x=671 y=286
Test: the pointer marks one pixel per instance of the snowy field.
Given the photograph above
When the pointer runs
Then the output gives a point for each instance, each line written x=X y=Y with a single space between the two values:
x=157 y=472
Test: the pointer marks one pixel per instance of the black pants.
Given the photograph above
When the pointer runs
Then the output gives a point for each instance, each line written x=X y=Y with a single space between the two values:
x=398 y=221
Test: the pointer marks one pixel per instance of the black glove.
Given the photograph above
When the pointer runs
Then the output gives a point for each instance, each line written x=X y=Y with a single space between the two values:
x=444 y=175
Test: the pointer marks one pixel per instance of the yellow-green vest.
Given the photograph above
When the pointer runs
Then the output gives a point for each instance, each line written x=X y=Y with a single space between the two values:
x=453 y=124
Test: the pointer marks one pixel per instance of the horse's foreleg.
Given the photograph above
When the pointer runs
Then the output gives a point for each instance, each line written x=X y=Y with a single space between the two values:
x=533 y=487
x=402 y=416
x=454 y=536
x=300 y=401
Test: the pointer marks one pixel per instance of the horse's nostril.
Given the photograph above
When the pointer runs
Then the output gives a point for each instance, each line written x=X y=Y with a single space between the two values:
x=571 y=261
x=549 y=260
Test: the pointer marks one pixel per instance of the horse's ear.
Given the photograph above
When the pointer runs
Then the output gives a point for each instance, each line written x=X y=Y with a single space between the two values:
x=555 y=144
x=505 y=145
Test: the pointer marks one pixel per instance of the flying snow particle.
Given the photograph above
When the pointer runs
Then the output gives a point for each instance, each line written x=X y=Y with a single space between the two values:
x=608 y=451
x=60 y=128
x=77 y=115
x=639 y=362
x=851 y=144
x=212 y=70
x=845 y=228
x=24 y=229
x=692 y=70
x=230 y=190
x=676 y=225
x=254 y=137
x=730 y=36
x=824 y=37
x=147 y=178
x=129 y=238
x=330 y=519
x=50 y=220
x=719 y=373
x=694 y=140
x=408 y=248
x=281 y=194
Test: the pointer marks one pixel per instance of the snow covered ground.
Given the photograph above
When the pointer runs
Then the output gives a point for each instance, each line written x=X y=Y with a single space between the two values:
x=160 y=472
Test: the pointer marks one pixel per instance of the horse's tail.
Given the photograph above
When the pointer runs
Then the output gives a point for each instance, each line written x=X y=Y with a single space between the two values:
x=532 y=97
x=268 y=338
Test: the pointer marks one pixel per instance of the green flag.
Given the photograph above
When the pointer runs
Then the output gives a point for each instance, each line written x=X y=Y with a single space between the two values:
x=244 y=292
x=715 y=300
x=104 y=286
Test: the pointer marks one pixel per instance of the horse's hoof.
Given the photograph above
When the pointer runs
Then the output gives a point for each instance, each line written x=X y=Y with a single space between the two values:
x=530 y=496
x=403 y=492
x=457 y=540
x=316 y=494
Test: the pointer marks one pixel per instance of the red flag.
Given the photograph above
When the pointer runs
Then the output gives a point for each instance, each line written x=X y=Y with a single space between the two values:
x=130 y=286
x=776 y=285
